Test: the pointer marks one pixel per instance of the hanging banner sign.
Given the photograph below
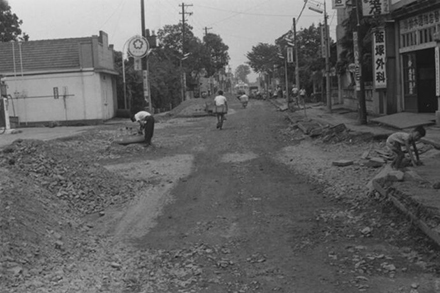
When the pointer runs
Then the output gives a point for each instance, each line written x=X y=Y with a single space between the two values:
x=375 y=7
x=336 y=4
x=437 y=71
x=289 y=55
x=138 y=46
x=357 y=71
x=379 y=51
x=323 y=42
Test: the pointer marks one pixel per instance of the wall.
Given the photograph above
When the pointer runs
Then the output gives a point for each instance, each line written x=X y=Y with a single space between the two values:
x=79 y=98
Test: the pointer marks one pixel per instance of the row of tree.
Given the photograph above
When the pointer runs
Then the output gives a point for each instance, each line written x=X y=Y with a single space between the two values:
x=209 y=57
x=265 y=58
x=206 y=58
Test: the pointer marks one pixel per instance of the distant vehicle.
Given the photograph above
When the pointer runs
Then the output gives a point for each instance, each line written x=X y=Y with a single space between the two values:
x=241 y=88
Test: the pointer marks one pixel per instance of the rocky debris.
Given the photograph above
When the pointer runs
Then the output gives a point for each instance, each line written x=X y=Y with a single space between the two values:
x=85 y=185
x=342 y=163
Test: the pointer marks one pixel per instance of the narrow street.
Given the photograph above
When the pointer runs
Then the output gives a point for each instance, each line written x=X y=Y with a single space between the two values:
x=246 y=218
x=255 y=207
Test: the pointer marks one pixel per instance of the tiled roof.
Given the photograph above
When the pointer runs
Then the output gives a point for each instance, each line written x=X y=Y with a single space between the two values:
x=41 y=55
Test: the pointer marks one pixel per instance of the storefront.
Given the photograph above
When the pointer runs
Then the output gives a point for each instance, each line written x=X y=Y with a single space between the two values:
x=417 y=25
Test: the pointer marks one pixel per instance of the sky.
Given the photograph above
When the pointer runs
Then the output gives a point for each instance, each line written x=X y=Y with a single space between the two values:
x=241 y=24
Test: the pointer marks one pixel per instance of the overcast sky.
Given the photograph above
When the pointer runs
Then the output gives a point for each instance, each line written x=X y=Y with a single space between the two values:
x=240 y=23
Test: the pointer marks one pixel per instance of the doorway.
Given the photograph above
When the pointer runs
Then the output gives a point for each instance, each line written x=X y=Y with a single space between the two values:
x=426 y=99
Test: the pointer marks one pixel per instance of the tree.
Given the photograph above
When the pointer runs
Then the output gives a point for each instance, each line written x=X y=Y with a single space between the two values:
x=10 y=25
x=217 y=53
x=262 y=57
x=347 y=55
x=242 y=72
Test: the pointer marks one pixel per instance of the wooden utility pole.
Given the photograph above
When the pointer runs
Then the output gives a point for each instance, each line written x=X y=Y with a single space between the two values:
x=183 y=76
x=147 y=96
x=327 y=62
x=361 y=93
x=206 y=30
x=295 y=41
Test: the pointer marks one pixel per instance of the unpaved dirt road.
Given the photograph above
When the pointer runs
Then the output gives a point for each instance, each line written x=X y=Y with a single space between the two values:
x=240 y=205
x=255 y=207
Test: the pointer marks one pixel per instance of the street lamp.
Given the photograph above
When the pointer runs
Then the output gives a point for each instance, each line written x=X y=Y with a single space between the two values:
x=316 y=6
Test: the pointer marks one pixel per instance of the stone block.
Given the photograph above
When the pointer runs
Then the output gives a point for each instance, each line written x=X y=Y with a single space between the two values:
x=342 y=163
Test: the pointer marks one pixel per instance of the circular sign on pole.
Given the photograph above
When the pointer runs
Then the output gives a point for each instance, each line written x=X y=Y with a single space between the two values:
x=138 y=46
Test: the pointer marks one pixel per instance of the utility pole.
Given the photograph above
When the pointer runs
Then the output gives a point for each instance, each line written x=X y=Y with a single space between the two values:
x=147 y=96
x=361 y=93
x=295 y=41
x=206 y=30
x=183 y=76
x=327 y=62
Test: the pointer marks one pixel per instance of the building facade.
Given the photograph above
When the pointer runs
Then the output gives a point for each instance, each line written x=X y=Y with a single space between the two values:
x=68 y=81
x=405 y=57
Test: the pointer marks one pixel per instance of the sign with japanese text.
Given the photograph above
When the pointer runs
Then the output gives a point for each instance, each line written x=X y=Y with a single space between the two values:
x=336 y=4
x=289 y=55
x=379 y=58
x=420 y=21
x=437 y=71
x=357 y=70
x=375 y=7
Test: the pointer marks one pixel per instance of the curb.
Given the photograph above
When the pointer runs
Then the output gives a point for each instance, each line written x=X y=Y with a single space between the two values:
x=419 y=214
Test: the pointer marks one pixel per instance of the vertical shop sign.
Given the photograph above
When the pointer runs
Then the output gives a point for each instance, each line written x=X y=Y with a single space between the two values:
x=375 y=7
x=323 y=42
x=437 y=71
x=356 y=61
x=380 y=79
x=289 y=55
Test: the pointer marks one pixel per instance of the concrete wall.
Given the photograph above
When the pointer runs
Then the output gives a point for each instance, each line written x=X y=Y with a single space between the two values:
x=81 y=96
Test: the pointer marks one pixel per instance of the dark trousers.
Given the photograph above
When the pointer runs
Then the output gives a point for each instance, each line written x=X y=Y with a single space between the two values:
x=149 y=129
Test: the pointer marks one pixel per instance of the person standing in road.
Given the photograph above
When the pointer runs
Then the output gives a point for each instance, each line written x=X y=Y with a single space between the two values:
x=221 y=108
x=146 y=125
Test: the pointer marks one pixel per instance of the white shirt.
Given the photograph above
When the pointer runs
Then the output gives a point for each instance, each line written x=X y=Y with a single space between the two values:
x=139 y=116
x=244 y=98
x=220 y=100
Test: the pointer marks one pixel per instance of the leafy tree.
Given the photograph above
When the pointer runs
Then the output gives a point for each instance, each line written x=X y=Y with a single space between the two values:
x=347 y=55
x=10 y=24
x=242 y=72
x=217 y=53
x=262 y=57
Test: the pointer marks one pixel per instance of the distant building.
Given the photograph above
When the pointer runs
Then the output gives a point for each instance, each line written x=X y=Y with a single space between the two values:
x=69 y=81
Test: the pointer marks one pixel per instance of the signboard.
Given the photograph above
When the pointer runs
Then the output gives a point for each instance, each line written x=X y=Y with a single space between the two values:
x=56 y=94
x=420 y=21
x=137 y=63
x=375 y=7
x=138 y=46
x=379 y=58
x=323 y=42
x=336 y=4
x=145 y=83
x=289 y=55
x=437 y=71
x=357 y=72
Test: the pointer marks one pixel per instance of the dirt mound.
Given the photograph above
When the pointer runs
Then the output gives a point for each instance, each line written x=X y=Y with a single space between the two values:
x=193 y=107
